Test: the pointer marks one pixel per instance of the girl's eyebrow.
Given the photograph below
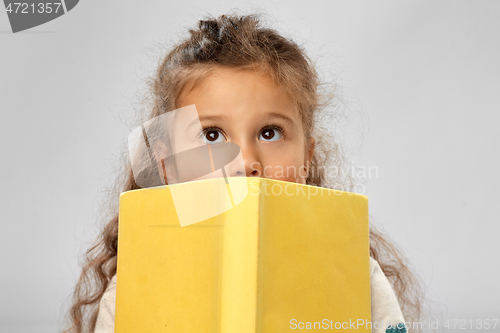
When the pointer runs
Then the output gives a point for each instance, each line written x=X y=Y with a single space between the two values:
x=269 y=114
x=216 y=118
x=281 y=116
x=200 y=118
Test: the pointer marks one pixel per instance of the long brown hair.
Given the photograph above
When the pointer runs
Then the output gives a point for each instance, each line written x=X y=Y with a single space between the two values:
x=241 y=42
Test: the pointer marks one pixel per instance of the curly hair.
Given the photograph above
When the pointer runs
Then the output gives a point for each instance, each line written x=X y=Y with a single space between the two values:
x=241 y=43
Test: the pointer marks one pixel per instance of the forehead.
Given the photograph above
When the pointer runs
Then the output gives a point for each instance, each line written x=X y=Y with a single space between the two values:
x=229 y=90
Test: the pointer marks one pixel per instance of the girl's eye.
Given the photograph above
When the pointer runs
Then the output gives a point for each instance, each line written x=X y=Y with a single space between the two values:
x=212 y=136
x=270 y=134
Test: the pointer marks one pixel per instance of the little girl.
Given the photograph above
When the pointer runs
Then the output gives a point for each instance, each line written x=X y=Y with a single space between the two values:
x=252 y=87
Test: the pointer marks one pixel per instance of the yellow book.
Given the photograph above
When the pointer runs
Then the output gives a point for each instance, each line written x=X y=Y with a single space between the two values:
x=279 y=256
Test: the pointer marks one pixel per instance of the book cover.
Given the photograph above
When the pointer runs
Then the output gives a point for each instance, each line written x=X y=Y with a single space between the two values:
x=276 y=259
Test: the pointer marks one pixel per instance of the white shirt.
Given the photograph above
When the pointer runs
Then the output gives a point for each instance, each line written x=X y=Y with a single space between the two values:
x=385 y=307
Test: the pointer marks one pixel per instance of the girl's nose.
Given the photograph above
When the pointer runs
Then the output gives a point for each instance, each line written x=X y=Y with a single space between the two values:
x=247 y=163
x=253 y=167
x=251 y=159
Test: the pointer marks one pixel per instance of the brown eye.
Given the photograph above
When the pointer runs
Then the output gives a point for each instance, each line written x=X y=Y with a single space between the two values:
x=270 y=134
x=212 y=136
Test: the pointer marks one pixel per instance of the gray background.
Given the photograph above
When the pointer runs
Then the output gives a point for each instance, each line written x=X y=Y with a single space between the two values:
x=419 y=81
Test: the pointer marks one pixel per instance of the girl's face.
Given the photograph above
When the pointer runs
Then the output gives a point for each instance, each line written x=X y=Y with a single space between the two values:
x=250 y=110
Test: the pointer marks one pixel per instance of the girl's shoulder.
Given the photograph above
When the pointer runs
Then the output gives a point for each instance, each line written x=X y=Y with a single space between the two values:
x=106 y=316
x=384 y=303
x=373 y=265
